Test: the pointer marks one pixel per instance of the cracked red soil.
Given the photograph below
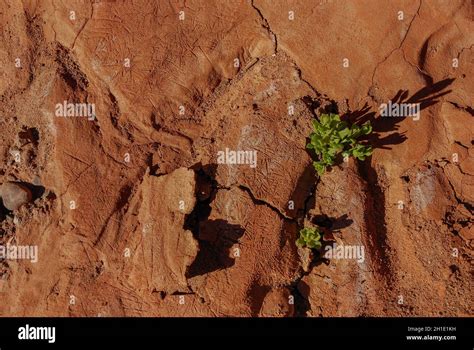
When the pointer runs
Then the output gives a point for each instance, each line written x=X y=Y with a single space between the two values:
x=159 y=228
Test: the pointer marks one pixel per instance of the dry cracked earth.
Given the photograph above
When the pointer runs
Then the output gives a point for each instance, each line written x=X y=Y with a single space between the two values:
x=133 y=215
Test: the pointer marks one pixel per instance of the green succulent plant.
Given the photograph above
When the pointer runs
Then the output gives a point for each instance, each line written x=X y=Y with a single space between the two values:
x=332 y=136
x=309 y=237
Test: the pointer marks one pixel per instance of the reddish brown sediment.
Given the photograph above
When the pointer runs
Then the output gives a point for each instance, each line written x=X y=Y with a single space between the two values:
x=133 y=214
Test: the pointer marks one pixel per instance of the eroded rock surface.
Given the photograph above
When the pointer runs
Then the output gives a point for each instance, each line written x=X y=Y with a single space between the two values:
x=140 y=218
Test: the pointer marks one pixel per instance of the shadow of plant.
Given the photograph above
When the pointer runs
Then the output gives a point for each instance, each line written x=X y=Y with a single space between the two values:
x=426 y=97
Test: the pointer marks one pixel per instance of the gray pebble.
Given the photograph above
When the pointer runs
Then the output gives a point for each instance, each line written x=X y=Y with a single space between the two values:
x=14 y=195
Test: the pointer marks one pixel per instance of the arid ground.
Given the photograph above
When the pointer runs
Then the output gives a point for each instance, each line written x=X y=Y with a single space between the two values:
x=130 y=210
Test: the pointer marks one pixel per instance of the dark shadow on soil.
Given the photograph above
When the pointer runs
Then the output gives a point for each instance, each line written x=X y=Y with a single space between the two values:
x=302 y=305
x=314 y=105
x=256 y=295
x=375 y=196
x=29 y=135
x=374 y=217
x=3 y=211
x=36 y=191
x=332 y=223
x=426 y=97
x=124 y=196
x=215 y=237
x=329 y=226
x=302 y=195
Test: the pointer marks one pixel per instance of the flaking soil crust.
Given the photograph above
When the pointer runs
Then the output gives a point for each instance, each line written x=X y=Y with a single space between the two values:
x=132 y=212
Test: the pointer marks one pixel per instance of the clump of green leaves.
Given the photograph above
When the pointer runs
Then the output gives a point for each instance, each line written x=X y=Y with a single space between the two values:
x=332 y=136
x=309 y=237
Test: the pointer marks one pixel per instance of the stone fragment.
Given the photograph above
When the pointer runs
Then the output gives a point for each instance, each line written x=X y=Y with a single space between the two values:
x=14 y=195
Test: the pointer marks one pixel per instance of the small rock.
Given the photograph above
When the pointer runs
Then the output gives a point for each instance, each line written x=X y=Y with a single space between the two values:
x=14 y=195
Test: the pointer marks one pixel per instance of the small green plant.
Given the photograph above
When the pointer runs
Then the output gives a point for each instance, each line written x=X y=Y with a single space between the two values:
x=332 y=136
x=309 y=237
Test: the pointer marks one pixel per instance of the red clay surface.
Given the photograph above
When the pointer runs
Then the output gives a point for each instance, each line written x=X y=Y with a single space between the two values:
x=133 y=215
